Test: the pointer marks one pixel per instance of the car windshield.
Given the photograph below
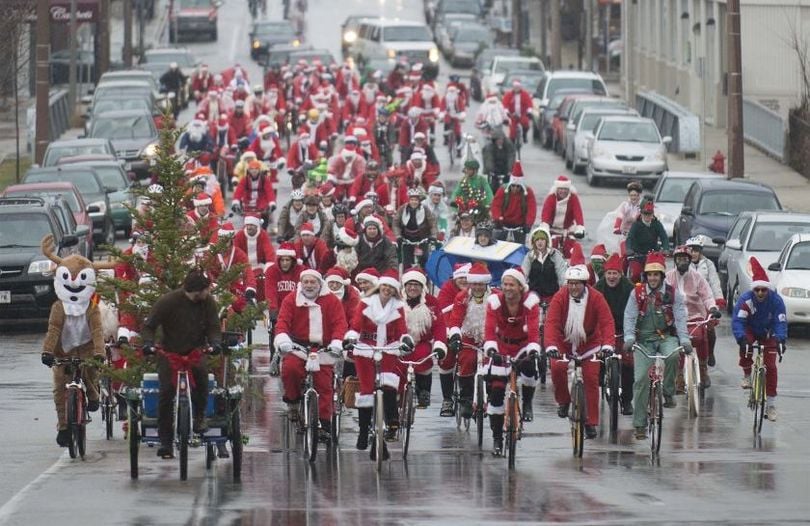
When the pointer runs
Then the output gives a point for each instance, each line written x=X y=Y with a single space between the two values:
x=70 y=197
x=182 y=58
x=54 y=154
x=589 y=121
x=406 y=34
x=472 y=34
x=111 y=177
x=606 y=104
x=505 y=66
x=195 y=3
x=528 y=82
x=274 y=30
x=799 y=258
x=730 y=203
x=586 y=85
x=107 y=90
x=135 y=127
x=629 y=131
x=674 y=189
x=771 y=237
x=120 y=104
x=23 y=230
x=84 y=181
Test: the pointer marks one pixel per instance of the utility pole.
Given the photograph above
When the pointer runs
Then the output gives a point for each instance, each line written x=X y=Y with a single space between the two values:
x=736 y=155
x=127 y=52
x=73 y=50
x=43 y=83
x=556 y=36
x=104 y=37
x=588 y=35
x=544 y=30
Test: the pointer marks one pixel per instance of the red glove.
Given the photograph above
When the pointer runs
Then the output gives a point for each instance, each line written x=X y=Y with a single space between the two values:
x=618 y=232
x=721 y=303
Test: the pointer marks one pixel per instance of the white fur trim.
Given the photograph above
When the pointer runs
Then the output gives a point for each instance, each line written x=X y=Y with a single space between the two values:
x=462 y=271
x=281 y=339
x=496 y=410
x=391 y=282
x=490 y=344
x=760 y=284
x=390 y=380
x=516 y=275
x=414 y=275
x=494 y=303
x=285 y=253
x=533 y=346
x=528 y=381
x=438 y=344
x=453 y=330
x=315 y=324
x=364 y=400
x=496 y=370
x=201 y=202
x=253 y=220
x=368 y=277
x=352 y=335
x=531 y=300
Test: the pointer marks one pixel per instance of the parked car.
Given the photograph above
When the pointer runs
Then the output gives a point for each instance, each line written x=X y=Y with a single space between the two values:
x=470 y=7
x=466 y=41
x=72 y=147
x=568 y=127
x=483 y=64
x=193 y=17
x=268 y=33
x=26 y=275
x=396 y=39
x=446 y=24
x=584 y=81
x=348 y=32
x=711 y=205
x=759 y=234
x=542 y=123
x=669 y=192
x=133 y=135
x=137 y=75
x=582 y=130
x=93 y=191
x=161 y=58
x=626 y=148
x=790 y=276
x=501 y=65
x=560 y=119
x=280 y=54
x=113 y=176
x=145 y=104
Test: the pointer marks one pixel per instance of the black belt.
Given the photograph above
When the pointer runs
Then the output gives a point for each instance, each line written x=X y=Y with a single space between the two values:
x=511 y=341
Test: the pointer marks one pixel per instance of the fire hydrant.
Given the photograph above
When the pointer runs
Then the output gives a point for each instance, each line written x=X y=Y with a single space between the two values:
x=718 y=164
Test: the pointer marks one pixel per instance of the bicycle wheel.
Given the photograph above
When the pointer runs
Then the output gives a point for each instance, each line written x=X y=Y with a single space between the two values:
x=379 y=428
x=578 y=419
x=108 y=406
x=758 y=392
x=613 y=381
x=210 y=455
x=479 y=411
x=337 y=412
x=72 y=417
x=692 y=386
x=451 y=147
x=406 y=419
x=456 y=402
x=512 y=429
x=311 y=426
x=236 y=443
x=133 y=435
x=656 y=416
x=183 y=433
x=542 y=368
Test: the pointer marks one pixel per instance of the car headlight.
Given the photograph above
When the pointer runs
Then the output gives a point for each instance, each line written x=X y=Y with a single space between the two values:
x=150 y=150
x=599 y=153
x=42 y=266
x=350 y=36
x=256 y=44
x=657 y=156
x=102 y=206
x=433 y=55
x=795 y=292
x=392 y=53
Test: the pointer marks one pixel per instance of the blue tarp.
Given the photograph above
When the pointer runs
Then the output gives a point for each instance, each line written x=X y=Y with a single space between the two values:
x=439 y=266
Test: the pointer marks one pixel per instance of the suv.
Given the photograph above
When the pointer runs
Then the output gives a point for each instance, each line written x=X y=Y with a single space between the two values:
x=26 y=275
x=711 y=205
x=396 y=39
x=193 y=16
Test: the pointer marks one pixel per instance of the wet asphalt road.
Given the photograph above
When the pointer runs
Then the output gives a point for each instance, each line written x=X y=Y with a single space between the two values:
x=711 y=469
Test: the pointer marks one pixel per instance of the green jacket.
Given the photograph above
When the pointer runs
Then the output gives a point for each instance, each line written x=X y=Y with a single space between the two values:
x=643 y=238
x=466 y=186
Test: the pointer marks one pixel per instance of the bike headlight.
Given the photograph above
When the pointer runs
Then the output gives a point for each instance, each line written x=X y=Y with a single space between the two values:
x=296 y=43
x=150 y=150
x=433 y=55
x=45 y=267
x=349 y=36
x=256 y=44
x=392 y=53
x=795 y=292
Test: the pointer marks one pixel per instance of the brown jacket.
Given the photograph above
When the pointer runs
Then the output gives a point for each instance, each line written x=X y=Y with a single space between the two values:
x=56 y=322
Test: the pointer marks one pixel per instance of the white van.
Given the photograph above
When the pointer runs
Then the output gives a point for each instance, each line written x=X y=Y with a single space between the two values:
x=394 y=39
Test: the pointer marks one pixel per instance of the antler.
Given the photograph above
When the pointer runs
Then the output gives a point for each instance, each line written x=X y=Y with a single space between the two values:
x=48 y=247
x=105 y=265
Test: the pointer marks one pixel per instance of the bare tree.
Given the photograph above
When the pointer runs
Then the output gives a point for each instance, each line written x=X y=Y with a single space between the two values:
x=798 y=43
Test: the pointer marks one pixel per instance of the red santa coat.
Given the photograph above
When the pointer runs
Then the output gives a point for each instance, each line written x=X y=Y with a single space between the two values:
x=319 y=322
x=351 y=224
x=221 y=263
x=519 y=104
x=431 y=104
x=513 y=215
x=255 y=195
x=345 y=82
x=598 y=322
x=296 y=155
x=343 y=174
x=278 y=284
x=424 y=177
x=350 y=301
x=238 y=126
x=202 y=83
x=426 y=326
x=127 y=272
x=320 y=131
x=319 y=257
x=271 y=155
x=570 y=216
x=465 y=319
x=454 y=107
x=350 y=110
x=211 y=110
x=446 y=298
x=362 y=185
x=258 y=248
x=510 y=333
x=408 y=128
x=373 y=325
x=208 y=225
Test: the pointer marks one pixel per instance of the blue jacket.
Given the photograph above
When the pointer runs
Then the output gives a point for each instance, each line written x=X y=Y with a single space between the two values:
x=764 y=318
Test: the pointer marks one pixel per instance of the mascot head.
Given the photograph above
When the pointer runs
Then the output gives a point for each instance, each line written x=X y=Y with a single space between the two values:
x=75 y=279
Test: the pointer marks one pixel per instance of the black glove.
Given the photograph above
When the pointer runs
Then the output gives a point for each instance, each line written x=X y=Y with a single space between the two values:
x=497 y=359
x=148 y=349
x=47 y=359
x=553 y=352
x=687 y=348
x=715 y=313
x=122 y=340
x=439 y=352
x=782 y=348
x=743 y=346
x=348 y=344
x=454 y=343
x=492 y=352
x=406 y=344
x=250 y=295
x=606 y=352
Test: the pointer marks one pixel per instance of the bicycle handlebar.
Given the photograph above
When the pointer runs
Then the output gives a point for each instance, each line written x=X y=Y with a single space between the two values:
x=419 y=362
x=642 y=350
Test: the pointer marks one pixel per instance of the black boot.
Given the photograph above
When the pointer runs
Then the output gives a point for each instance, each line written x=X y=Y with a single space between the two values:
x=325 y=432
x=496 y=424
x=391 y=412
x=627 y=390
x=528 y=397
x=423 y=384
x=373 y=454
x=466 y=387
x=446 y=379
x=364 y=415
x=63 y=437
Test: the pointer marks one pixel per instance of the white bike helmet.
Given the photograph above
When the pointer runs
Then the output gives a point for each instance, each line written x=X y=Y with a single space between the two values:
x=297 y=195
x=696 y=241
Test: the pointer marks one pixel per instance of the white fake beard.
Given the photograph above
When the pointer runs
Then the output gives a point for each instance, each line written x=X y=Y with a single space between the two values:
x=370 y=95
x=267 y=146
x=141 y=250
x=473 y=325
x=75 y=303
x=355 y=100
x=574 y=323
x=346 y=259
x=419 y=320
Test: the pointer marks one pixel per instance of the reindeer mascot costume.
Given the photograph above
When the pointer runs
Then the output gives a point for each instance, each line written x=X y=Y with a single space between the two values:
x=74 y=327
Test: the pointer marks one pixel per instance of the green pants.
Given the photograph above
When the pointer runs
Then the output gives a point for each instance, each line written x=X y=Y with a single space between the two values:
x=641 y=385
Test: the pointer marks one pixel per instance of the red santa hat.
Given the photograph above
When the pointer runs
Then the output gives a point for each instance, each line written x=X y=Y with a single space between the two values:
x=516 y=274
x=614 y=262
x=362 y=204
x=599 y=252
x=390 y=278
x=327 y=189
x=373 y=220
x=226 y=230
x=415 y=274
x=338 y=275
x=562 y=182
x=419 y=135
x=201 y=199
x=307 y=229
x=577 y=256
x=286 y=249
x=479 y=273
x=370 y=274
x=517 y=175
x=460 y=270
x=311 y=272
x=350 y=139
x=347 y=236
x=655 y=263
x=516 y=83
x=759 y=278
x=253 y=219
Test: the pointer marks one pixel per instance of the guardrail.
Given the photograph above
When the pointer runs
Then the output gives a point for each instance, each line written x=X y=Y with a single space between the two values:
x=765 y=129
x=59 y=108
x=672 y=119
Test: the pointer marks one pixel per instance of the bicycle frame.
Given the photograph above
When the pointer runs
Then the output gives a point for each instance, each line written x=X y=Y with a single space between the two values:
x=407 y=408
x=578 y=413
x=75 y=405
x=655 y=400
x=757 y=397
x=379 y=425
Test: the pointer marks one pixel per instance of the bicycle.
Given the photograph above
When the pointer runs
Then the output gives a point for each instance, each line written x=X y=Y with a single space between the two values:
x=655 y=402
x=421 y=250
x=107 y=399
x=577 y=414
x=75 y=405
x=407 y=407
x=480 y=397
x=495 y=181
x=612 y=390
x=757 y=395
x=693 y=385
x=518 y=138
x=337 y=402
x=513 y=420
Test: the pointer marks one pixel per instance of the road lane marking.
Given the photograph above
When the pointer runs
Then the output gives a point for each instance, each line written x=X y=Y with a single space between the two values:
x=14 y=503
